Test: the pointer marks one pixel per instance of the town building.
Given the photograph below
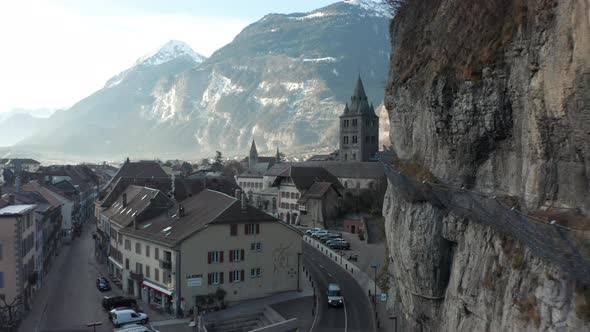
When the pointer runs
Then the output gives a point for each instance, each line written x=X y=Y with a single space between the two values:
x=319 y=204
x=17 y=255
x=294 y=182
x=359 y=128
x=211 y=246
x=25 y=164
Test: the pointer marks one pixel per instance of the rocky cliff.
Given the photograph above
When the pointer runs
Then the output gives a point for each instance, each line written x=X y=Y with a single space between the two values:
x=492 y=97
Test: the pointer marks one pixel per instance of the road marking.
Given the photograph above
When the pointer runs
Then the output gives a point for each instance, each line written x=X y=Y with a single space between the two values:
x=321 y=266
x=330 y=275
x=345 y=316
x=317 y=312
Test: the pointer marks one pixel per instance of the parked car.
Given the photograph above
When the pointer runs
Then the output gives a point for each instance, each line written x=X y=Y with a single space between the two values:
x=341 y=245
x=103 y=284
x=335 y=298
x=125 y=316
x=319 y=233
x=313 y=230
x=329 y=236
x=111 y=302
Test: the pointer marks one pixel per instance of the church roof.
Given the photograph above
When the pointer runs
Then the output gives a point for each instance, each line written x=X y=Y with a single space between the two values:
x=359 y=105
x=253 y=150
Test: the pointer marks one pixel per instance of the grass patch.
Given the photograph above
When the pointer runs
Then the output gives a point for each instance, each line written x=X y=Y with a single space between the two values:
x=413 y=169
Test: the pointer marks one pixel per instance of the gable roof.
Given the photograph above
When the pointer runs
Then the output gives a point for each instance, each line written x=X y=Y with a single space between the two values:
x=12 y=161
x=317 y=191
x=208 y=207
x=139 y=199
x=305 y=177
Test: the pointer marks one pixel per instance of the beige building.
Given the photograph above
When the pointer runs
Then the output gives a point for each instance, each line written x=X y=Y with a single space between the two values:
x=210 y=249
x=17 y=255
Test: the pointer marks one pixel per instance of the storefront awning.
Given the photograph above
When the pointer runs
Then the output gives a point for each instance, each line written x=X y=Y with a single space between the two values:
x=158 y=288
x=115 y=262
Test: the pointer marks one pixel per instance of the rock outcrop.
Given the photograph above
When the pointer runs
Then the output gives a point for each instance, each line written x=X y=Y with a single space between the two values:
x=492 y=97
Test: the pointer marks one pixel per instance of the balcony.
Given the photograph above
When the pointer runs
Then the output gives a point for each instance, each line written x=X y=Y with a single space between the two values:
x=165 y=265
x=136 y=276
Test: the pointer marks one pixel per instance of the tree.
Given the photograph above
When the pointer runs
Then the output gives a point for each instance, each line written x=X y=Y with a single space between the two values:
x=186 y=168
x=218 y=162
x=282 y=157
x=232 y=168
x=9 y=311
x=205 y=162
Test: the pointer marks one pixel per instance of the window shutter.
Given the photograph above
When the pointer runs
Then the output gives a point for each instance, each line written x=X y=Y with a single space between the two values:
x=231 y=276
x=242 y=254
x=242 y=275
x=233 y=229
x=221 y=256
x=209 y=278
x=209 y=257
x=221 y=277
x=257 y=228
x=246 y=229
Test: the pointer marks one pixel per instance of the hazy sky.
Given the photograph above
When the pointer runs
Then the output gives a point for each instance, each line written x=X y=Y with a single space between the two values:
x=56 y=52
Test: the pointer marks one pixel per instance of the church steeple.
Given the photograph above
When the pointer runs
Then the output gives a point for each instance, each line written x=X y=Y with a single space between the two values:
x=358 y=101
x=359 y=90
x=278 y=156
x=253 y=157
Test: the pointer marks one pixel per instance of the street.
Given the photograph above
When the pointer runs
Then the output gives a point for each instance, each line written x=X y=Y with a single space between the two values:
x=69 y=299
x=357 y=313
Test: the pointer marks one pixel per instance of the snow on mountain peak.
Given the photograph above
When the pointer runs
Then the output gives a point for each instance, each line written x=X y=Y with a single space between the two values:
x=169 y=51
x=378 y=8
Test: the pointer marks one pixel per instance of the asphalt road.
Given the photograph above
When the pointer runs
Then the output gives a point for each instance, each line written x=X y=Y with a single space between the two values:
x=357 y=313
x=69 y=298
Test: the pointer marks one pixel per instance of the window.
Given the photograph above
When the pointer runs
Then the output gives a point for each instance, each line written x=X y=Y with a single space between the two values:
x=367 y=139
x=354 y=122
x=147 y=251
x=292 y=195
x=256 y=273
x=297 y=196
x=138 y=248
x=251 y=229
x=1 y=279
x=120 y=238
x=215 y=278
x=156 y=274
x=138 y=268
x=354 y=140
x=354 y=156
x=345 y=139
x=293 y=207
x=127 y=263
x=147 y=271
x=128 y=245
x=233 y=230
x=236 y=255
x=256 y=246
x=0 y=250
x=236 y=276
x=157 y=253
x=215 y=257
x=345 y=156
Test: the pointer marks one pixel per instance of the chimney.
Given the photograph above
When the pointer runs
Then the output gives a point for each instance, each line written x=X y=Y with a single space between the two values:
x=243 y=202
x=10 y=199
x=124 y=200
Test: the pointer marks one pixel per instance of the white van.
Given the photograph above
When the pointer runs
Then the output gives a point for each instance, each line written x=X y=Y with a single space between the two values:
x=125 y=316
x=335 y=298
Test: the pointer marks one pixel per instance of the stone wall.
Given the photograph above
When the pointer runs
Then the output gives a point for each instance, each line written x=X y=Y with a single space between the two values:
x=508 y=117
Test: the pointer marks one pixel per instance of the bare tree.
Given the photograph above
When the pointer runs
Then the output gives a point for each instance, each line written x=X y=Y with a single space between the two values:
x=9 y=311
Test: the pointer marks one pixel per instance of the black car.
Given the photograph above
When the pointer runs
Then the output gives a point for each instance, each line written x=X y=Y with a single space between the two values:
x=111 y=302
x=103 y=284
x=339 y=245
x=329 y=236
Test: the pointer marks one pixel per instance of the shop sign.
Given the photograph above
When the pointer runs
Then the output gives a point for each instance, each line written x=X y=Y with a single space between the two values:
x=194 y=280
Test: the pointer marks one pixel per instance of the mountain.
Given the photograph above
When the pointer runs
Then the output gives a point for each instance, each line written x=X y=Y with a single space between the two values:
x=18 y=126
x=283 y=81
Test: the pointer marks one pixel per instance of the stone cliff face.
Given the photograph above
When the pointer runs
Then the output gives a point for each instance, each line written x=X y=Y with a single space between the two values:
x=493 y=97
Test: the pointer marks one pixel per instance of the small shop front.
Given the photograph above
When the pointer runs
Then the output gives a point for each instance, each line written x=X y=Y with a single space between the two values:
x=158 y=297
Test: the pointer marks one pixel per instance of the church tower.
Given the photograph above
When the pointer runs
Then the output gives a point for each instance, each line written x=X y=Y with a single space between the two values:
x=359 y=127
x=253 y=157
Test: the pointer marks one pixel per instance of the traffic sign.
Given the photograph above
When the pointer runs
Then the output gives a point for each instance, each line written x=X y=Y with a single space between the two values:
x=383 y=296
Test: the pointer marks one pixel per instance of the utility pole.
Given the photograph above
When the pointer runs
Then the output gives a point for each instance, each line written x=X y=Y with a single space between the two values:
x=375 y=291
